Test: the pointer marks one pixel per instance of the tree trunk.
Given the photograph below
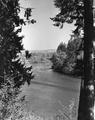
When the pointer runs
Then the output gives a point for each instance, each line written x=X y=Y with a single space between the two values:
x=86 y=102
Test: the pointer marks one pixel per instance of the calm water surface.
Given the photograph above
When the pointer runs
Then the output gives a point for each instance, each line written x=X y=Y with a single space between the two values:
x=51 y=93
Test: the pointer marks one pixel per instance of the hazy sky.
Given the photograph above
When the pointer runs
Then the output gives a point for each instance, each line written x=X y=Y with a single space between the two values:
x=43 y=35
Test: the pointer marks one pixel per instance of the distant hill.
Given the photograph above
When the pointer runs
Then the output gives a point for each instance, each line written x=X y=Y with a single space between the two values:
x=39 y=56
x=40 y=51
x=43 y=51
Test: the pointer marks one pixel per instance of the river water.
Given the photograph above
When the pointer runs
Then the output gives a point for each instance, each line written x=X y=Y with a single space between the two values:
x=52 y=95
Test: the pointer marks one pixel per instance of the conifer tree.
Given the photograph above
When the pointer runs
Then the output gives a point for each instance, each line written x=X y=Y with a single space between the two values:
x=11 y=43
x=81 y=12
x=13 y=74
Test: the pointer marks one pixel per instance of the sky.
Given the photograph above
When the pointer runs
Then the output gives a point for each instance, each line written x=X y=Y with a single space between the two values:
x=43 y=35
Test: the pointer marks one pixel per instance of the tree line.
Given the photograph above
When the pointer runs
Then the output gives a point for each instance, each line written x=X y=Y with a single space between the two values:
x=68 y=58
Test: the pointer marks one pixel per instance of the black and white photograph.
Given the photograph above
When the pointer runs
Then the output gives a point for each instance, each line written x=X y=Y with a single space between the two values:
x=47 y=59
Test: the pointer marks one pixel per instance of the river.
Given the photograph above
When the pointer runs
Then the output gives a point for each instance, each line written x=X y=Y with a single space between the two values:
x=52 y=94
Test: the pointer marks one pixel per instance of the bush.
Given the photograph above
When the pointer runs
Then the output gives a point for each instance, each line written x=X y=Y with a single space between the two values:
x=64 y=60
x=61 y=48
x=58 y=61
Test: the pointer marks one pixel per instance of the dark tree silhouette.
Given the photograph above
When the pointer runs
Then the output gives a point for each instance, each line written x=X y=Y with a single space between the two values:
x=81 y=12
x=11 y=43
x=13 y=74
x=87 y=87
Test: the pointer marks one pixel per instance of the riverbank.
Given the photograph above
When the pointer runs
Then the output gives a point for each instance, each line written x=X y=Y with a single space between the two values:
x=51 y=94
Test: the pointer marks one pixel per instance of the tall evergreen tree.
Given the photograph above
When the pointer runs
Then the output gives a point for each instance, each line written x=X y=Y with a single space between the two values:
x=11 y=43
x=13 y=74
x=87 y=88
x=81 y=12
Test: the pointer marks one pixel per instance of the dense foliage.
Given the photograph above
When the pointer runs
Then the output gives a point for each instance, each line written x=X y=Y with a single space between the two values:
x=13 y=74
x=65 y=59
x=10 y=43
x=70 y=11
x=61 y=47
